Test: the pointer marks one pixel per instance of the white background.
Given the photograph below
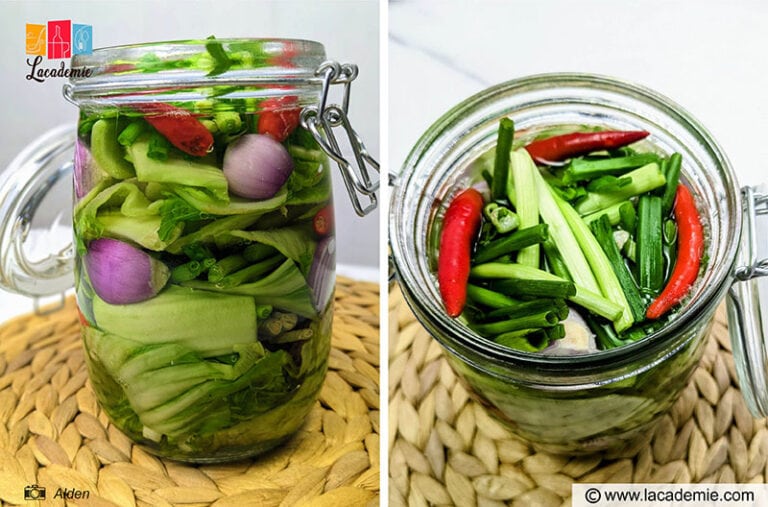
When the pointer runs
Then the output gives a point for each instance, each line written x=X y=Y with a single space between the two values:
x=710 y=57
x=348 y=29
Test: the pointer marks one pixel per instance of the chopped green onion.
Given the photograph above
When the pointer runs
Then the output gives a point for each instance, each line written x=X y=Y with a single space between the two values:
x=251 y=273
x=501 y=162
x=592 y=301
x=258 y=252
x=532 y=341
x=606 y=336
x=670 y=189
x=526 y=308
x=132 y=132
x=542 y=319
x=644 y=180
x=158 y=147
x=599 y=263
x=608 y=183
x=226 y=266
x=190 y=270
x=228 y=122
x=221 y=61
x=489 y=298
x=503 y=219
x=523 y=287
x=581 y=169
x=628 y=217
x=613 y=213
x=555 y=260
x=650 y=263
x=526 y=203
x=564 y=237
x=604 y=235
x=514 y=242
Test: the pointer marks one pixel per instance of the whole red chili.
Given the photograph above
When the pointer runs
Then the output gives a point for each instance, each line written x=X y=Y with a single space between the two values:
x=690 y=248
x=279 y=117
x=322 y=223
x=179 y=126
x=460 y=226
x=558 y=148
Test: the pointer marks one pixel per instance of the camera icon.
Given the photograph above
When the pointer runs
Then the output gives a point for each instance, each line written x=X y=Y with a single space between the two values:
x=34 y=492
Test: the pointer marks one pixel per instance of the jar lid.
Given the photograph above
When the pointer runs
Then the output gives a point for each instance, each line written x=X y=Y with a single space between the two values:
x=746 y=299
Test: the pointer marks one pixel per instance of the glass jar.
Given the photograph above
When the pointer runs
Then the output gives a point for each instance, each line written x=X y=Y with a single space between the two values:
x=597 y=401
x=204 y=250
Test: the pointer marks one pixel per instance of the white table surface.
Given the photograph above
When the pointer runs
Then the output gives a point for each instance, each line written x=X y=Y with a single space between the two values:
x=707 y=56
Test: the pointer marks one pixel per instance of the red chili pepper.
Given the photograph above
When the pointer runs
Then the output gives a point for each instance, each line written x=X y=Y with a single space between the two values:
x=558 y=148
x=279 y=117
x=460 y=226
x=690 y=249
x=323 y=221
x=179 y=126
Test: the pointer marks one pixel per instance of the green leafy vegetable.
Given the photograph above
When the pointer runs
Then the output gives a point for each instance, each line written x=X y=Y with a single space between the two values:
x=209 y=232
x=203 y=201
x=201 y=172
x=124 y=211
x=174 y=213
x=230 y=318
x=107 y=152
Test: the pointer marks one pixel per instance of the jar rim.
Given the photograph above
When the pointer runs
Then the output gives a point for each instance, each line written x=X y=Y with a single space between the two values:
x=193 y=64
x=452 y=333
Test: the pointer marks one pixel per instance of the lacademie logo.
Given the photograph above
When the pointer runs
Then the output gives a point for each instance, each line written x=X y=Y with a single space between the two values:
x=57 y=40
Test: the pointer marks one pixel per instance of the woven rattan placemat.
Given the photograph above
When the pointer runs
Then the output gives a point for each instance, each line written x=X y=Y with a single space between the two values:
x=53 y=434
x=444 y=449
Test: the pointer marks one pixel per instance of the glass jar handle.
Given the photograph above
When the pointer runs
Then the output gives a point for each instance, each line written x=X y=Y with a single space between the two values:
x=745 y=314
x=321 y=120
x=23 y=186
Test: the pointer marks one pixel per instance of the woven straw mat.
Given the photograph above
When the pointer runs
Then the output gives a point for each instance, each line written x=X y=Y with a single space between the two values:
x=444 y=449
x=53 y=434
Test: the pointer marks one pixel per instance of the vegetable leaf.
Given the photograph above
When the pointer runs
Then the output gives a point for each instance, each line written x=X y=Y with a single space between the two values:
x=202 y=200
x=174 y=211
x=232 y=319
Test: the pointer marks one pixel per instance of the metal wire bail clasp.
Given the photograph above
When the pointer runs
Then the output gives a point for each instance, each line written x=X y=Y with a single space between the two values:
x=746 y=315
x=321 y=120
x=755 y=204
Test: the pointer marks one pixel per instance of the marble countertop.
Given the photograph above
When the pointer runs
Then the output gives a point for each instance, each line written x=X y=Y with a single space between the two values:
x=708 y=57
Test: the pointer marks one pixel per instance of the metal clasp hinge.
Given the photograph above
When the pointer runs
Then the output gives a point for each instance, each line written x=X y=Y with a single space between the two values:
x=756 y=204
x=321 y=120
